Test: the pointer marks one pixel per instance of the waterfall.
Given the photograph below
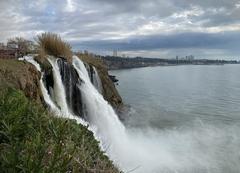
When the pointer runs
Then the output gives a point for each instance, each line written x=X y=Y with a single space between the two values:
x=46 y=96
x=97 y=81
x=128 y=150
x=92 y=74
x=59 y=91
x=180 y=150
x=63 y=112
x=102 y=119
x=71 y=81
x=31 y=60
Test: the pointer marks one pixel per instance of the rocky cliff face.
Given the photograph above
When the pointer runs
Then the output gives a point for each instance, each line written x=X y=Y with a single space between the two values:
x=71 y=81
x=110 y=93
x=24 y=76
x=20 y=75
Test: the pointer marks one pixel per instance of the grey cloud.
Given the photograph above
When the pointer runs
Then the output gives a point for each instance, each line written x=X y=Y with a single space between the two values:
x=229 y=40
x=99 y=21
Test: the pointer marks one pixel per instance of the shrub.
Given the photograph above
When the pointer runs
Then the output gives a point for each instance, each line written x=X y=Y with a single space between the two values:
x=52 y=44
x=31 y=140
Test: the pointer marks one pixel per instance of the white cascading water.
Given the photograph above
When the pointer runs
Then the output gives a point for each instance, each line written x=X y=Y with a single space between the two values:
x=48 y=99
x=62 y=112
x=97 y=81
x=126 y=150
x=181 y=150
x=101 y=116
x=46 y=96
x=59 y=91
x=194 y=149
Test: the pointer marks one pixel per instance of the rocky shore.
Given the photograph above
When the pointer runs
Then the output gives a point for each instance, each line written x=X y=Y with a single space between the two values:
x=115 y=63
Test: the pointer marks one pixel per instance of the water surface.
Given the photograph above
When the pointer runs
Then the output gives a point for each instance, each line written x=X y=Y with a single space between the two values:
x=176 y=95
x=186 y=117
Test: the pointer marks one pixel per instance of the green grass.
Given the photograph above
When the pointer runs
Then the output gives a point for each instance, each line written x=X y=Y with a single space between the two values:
x=32 y=140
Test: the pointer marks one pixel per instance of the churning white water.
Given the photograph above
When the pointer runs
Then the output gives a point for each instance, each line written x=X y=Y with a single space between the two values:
x=200 y=148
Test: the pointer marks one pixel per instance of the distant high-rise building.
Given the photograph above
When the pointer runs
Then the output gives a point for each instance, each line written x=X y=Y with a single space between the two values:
x=115 y=53
x=190 y=57
x=85 y=52
x=1 y=45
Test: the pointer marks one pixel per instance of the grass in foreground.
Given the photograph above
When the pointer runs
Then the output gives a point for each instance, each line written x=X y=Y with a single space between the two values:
x=32 y=140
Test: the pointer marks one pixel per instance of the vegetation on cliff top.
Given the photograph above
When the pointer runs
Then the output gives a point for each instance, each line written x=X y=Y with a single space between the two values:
x=52 y=44
x=110 y=93
x=20 y=75
x=32 y=140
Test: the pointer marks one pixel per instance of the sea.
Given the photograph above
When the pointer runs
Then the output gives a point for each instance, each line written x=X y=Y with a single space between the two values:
x=194 y=111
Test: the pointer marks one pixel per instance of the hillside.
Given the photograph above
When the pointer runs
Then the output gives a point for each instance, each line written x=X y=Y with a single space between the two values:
x=20 y=75
x=42 y=106
x=33 y=140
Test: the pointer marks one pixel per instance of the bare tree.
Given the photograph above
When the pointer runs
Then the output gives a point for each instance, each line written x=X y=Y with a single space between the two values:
x=24 y=46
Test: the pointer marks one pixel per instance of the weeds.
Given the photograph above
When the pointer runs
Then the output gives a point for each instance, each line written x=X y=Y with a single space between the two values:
x=32 y=140
x=52 y=44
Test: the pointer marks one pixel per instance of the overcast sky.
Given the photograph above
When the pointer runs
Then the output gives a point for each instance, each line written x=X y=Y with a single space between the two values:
x=150 y=28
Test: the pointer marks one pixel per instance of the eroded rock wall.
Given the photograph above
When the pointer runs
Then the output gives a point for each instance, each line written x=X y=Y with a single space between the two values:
x=21 y=75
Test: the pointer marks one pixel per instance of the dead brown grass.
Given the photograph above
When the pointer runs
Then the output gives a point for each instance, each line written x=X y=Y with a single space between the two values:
x=52 y=44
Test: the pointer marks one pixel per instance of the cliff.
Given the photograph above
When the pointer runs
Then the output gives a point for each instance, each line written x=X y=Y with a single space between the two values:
x=24 y=76
x=110 y=93
x=20 y=75
x=32 y=140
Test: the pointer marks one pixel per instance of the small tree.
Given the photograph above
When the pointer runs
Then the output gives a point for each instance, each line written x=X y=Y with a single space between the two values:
x=24 y=46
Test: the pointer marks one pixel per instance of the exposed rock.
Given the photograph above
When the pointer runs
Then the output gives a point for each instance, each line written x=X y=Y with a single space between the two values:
x=71 y=81
x=24 y=76
x=113 y=78
x=21 y=75
x=110 y=93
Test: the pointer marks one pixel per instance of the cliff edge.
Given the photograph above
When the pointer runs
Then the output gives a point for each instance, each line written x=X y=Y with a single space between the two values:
x=20 y=75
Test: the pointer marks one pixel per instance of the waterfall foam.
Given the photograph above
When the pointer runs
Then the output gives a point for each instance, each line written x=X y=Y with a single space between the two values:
x=189 y=149
x=107 y=127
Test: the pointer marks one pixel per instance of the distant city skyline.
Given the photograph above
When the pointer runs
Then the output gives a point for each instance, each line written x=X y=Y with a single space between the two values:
x=148 y=28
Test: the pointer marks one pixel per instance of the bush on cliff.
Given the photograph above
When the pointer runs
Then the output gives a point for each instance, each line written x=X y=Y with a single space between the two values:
x=52 y=44
x=32 y=140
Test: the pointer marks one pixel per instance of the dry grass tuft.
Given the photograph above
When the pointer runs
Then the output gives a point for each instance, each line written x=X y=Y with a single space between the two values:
x=52 y=44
